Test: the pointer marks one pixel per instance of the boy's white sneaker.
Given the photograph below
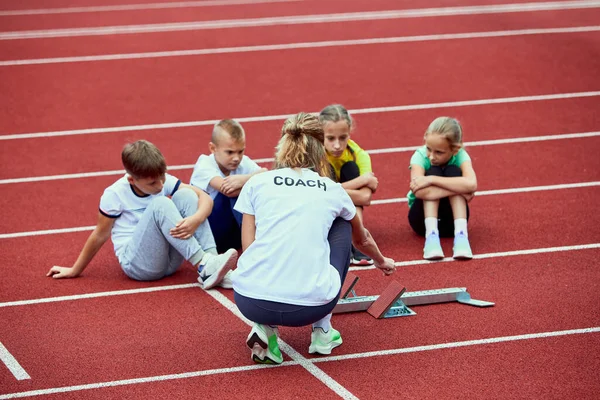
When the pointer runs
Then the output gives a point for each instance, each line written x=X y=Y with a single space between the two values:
x=215 y=267
x=323 y=342
x=226 y=282
x=433 y=248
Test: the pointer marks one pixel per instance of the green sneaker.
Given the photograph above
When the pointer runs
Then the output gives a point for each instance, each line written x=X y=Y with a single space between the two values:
x=433 y=248
x=262 y=340
x=462 y=248
x=323 y=342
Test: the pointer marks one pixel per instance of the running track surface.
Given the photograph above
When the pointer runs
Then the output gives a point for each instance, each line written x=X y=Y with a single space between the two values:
x=529 y=105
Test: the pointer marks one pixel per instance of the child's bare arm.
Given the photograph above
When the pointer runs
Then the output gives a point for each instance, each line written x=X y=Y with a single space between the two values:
x=360 y=197
x=248 y=230
x=366 y=180
x=437 y=187
x=231 y=186
x=94 y=243
x=363 y=241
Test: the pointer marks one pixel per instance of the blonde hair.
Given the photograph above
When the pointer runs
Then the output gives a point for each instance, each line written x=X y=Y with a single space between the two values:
x=450 y=129
x=301 y=145
x=142 y=159
x=229 y=126
x=335 y=113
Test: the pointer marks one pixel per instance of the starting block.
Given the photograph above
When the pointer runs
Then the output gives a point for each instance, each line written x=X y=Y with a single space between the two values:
x=395 y=300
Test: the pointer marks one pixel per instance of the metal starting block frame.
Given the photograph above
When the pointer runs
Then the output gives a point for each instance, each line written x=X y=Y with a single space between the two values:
x=394 y=300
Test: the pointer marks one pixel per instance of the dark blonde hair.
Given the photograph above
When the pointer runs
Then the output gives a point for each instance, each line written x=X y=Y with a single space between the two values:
x=301 y=145
x=230 y=126
x=142 y=159
x=450 y=129
x=335 y=113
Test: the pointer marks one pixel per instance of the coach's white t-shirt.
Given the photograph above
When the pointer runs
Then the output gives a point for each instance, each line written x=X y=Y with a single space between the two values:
x=207 y=168
x=119 y=201
x=289 y=260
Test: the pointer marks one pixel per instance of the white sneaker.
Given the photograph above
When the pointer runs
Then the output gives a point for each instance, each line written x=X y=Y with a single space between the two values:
x=433 y=248
x=226 y=282
x=323 y=342
x=263 y=345
x=215 y=267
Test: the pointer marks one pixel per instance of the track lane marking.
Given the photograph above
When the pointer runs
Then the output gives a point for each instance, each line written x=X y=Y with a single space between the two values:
x=282 y=117
x=137 y=7
x=17 y=303
x=187 y=375
x=300 y=19
x=266 y=160
x=295 y=46
x=12 y=364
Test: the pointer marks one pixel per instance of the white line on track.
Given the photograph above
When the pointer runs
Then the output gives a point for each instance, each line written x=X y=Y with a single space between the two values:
x=372 y=110
x=389 y=352
x=137 y=7
x=301 y=19
x=301 y=45
x=267 y=160
x=12 y=364
x=514 y=253
x=290 y=351
x=373 y=203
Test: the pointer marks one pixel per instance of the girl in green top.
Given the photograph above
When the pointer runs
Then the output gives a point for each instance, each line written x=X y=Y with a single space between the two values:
x=442 y=184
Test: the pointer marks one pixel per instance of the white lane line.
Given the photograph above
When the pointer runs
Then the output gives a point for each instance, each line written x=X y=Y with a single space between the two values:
x=465 y=343
x=270 y=159
x=380 y=353
x=134 y=7
x=12 y=364
x=373 y=110
x=301 y=19
x=295 y=46
x=289 y=350
x=29 y=302
x=373 y=203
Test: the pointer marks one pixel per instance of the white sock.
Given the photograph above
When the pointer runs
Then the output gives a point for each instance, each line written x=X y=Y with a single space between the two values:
x=431 y=226
x=460 y=225
x=324 y=323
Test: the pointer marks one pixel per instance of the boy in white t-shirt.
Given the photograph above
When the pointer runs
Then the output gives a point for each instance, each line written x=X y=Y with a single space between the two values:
x=222 y=174
x=151 y=233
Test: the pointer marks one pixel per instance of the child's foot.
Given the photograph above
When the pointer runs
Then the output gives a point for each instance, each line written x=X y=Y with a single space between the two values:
x=433 y=248
x=359 y=258
x=323 y=342
x=462 y=249
x=262 y=341
x=215 y=267
x=226 y=282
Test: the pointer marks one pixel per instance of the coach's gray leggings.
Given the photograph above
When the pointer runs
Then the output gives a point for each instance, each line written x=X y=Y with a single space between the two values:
x=152 y=253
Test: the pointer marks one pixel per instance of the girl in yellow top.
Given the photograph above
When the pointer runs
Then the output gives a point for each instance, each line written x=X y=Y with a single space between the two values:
x=350 y=165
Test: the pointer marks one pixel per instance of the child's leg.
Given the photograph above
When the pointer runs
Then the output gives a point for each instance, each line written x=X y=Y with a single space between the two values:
x=431 y=213
x=224 y=225
x=152 y=253
x=460 y=213
x=348 y=172
x=186 y=202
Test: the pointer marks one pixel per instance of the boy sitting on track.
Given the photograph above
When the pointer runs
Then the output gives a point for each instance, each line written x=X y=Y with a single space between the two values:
x=222 y=174
x=151 y=233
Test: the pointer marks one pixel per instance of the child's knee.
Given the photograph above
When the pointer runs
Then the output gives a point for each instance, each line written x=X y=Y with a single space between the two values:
x=349 y=171
x=184 y=195
x=452 y=171
x=435 y=170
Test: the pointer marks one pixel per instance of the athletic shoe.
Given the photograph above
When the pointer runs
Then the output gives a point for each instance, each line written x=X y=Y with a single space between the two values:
x=323 y=342
x=262 y=342
x=462 y=249
x=215 y=267
x=433 y=248
x=360 y=259
x=226 y=282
